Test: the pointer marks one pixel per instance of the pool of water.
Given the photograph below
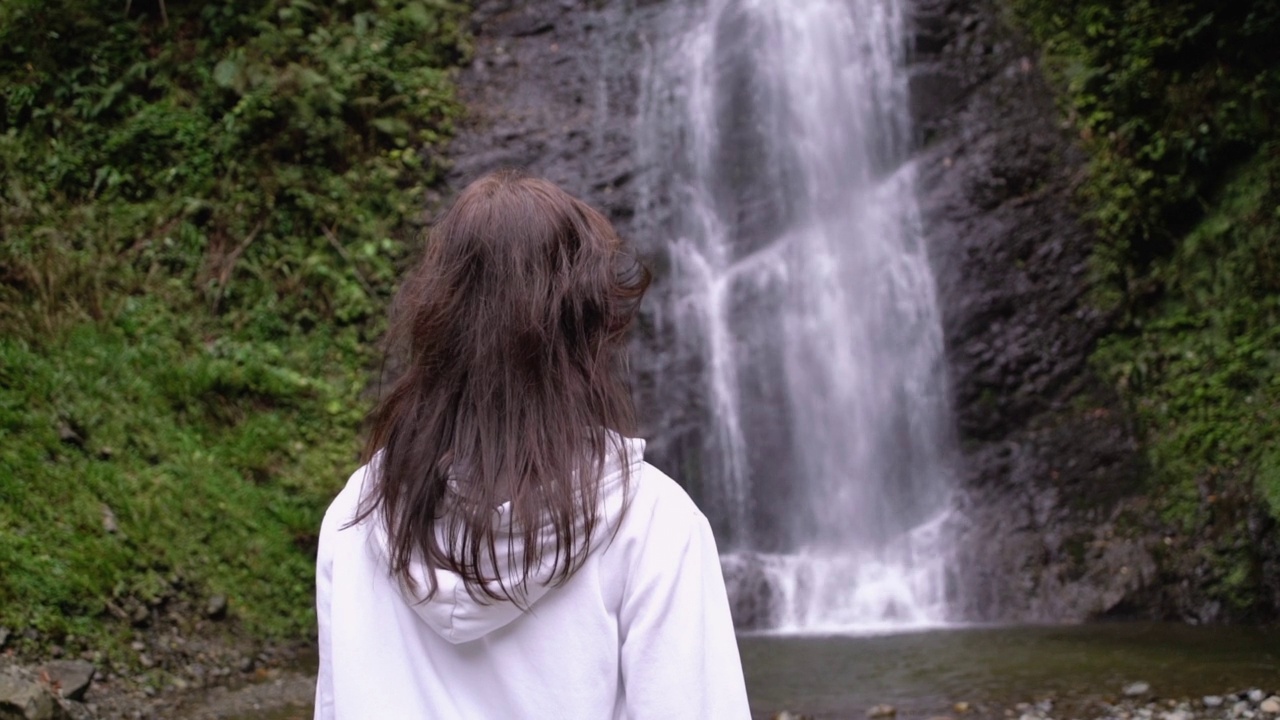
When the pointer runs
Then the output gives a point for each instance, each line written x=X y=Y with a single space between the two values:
x=993 y=668
x=923 y=674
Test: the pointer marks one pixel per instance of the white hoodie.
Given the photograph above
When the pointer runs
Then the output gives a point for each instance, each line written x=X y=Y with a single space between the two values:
x=642 y=630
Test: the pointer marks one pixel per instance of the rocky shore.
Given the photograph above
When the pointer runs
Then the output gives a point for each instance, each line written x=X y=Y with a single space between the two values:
x=1134 y=702
x=173 y=676
x=280 y=686
x=1137 y=703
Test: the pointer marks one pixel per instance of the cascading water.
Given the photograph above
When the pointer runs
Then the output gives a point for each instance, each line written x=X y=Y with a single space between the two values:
x=776 y=135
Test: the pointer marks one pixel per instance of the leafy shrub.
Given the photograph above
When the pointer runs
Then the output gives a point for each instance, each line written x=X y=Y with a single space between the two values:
x=1177 y=102
x=201 y=213
x=283 y=144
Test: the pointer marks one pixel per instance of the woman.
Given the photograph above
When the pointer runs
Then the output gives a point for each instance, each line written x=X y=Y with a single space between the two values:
x=506 y=552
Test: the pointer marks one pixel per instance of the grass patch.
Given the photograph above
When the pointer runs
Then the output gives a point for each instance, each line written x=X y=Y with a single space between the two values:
x=202 y=214
x=1201 y=369
x=140 y=465
x=1175 y=103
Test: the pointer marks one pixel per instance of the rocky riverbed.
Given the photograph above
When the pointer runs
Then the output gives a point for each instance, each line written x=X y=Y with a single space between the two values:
x=173 y=675
x=1134 y=702
x=67 y=690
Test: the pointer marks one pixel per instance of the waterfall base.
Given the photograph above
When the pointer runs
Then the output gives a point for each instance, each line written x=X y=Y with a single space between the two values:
x=903 y=585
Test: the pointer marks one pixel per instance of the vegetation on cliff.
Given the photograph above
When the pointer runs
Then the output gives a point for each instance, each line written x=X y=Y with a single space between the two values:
x=201 y=214
x=1177 y=104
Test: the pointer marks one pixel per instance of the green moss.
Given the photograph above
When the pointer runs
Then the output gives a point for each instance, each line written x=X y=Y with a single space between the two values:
x=200 y=222
x=1200 y=366
x=138 y=467
x=1175 y=103
x=1269 y=478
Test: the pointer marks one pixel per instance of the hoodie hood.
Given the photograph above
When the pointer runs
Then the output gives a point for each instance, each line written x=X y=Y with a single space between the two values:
x=458 y=617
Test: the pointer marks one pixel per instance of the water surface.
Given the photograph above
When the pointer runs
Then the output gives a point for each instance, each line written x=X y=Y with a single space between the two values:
x=923 y=674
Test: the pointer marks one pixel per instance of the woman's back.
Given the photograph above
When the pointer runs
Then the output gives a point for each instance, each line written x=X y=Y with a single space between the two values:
x=641 y=630
x=505 y=552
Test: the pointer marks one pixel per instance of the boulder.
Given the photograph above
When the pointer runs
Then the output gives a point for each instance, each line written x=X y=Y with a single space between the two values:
x=71 y=678
x=22 y=697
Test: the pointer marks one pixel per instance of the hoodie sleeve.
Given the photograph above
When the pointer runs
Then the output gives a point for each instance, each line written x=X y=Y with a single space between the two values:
x=679 y=653
x=324 y=586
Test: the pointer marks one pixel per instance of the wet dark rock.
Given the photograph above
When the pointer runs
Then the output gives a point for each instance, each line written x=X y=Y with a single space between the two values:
x=552 y=90
x=754 y=600
x=71 y=678
x=563 y=104
x=1054 y=521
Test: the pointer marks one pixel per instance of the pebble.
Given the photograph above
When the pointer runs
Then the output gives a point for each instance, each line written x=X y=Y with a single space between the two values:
x=1136 y=689
x=217 y=607
x=961 y=708
x=1141 y=706
x=110 y=524
x=882 y=711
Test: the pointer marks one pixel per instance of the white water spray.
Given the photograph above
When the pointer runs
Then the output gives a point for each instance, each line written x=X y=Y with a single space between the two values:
x=778 y=131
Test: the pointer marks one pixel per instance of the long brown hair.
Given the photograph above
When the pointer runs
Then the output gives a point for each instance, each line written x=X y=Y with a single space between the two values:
x=512 y=333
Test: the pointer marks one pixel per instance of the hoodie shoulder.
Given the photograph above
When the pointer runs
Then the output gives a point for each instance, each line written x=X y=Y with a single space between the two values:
x=344 y=506
x=655 y=492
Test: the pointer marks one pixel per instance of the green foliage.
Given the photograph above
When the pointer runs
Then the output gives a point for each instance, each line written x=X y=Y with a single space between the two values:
x=1168 y=96
x=1177 y=103
x=283 y=142
x=201 y=216
x=1205 y=368
x=213 y=459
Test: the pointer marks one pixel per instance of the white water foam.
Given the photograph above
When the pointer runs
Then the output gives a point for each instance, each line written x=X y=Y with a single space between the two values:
x=778 y=133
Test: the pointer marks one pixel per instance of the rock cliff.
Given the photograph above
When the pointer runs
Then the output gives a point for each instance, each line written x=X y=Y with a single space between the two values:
x=1055 y=523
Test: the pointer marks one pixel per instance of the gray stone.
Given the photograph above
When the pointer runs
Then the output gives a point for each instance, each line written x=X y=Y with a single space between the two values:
x=69 y=435
x=217 y=607
x=24 y=698
x=1137 y=689
x=1212 y=701
x=109 y=523
x=4 y=636
x=882 y=711
x=1256 y=696
x=71 y=678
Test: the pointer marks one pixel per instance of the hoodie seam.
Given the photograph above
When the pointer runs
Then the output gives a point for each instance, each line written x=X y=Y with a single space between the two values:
x=453 y=614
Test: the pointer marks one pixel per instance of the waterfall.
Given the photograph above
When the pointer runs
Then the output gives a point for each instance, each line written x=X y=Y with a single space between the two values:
x=774 y=138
